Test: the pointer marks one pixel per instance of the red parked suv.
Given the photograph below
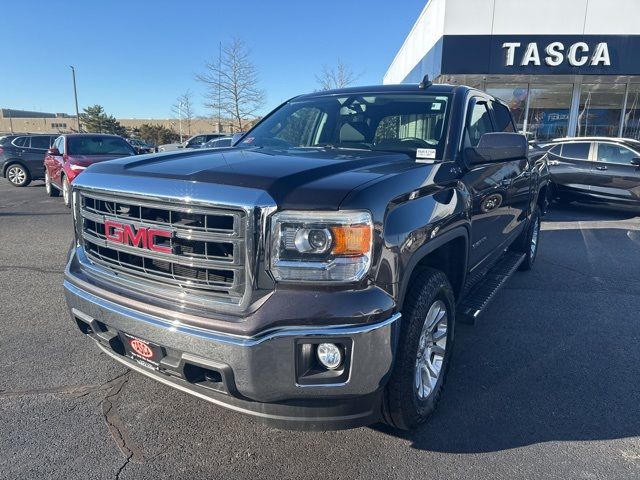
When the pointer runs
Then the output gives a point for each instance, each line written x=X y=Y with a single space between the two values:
x=71 y=154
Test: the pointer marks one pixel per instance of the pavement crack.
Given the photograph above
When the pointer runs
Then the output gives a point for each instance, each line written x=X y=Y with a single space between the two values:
x=10 y=268
x=114 y=423
x=74 y=390
x=126 y=462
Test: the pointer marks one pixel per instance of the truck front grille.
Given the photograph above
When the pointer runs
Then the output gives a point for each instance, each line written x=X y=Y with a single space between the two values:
x=200 y=251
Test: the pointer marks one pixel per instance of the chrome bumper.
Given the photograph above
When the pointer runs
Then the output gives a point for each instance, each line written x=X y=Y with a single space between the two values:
x=257 y=370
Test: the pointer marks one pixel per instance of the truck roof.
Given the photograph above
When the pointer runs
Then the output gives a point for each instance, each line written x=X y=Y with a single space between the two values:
x=399 y=88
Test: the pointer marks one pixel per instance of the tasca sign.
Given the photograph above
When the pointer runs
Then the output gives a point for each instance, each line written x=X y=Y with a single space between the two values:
x=554 y=54
x=537 y=55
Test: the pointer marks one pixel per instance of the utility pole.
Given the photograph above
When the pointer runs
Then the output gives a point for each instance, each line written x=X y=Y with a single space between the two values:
x=10 y=120
x=219 y=89
x=180 y=119
x=75 y=95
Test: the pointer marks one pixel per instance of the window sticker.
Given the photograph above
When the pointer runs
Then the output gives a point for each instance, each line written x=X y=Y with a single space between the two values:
x=427 y=153
x=436 y=106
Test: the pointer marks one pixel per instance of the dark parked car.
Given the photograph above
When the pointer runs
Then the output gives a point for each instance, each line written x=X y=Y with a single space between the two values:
x=71 y=154
x=21 y=157
x=598 y=169
x=141 y=146
x=312 y=276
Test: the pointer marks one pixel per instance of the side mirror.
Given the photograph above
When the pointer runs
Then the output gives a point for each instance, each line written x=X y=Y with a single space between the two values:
x=635 y=161
x=53 y=151
x=498 y=147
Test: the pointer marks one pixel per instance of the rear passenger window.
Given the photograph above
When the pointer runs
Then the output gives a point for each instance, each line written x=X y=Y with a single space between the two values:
x=479 y=123
x=21 y=142
x=40 y=142
x=578 y=151
x=504 y=122
x=555 y=149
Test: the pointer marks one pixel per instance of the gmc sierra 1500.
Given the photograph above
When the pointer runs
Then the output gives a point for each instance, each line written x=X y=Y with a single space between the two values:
x=312 y=275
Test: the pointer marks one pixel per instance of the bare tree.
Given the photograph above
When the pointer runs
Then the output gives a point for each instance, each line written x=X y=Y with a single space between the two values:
x=231 y=81
x=339 y=76
x=183 y=111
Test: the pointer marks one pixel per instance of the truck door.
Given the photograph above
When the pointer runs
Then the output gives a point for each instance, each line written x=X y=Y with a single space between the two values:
x=613 y=175
x=492 y=186
x=517 y=181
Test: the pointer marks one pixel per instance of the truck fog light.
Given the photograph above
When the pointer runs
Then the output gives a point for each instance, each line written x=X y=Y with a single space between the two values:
x=330 y=355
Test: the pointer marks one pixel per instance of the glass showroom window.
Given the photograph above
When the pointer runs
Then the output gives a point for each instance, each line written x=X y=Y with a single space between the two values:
x=514 y=95
x=549 y=107
x=632 y=113
x=600 y=109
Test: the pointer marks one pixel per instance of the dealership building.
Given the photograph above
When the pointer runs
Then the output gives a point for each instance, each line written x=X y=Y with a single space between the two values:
x=566 y=68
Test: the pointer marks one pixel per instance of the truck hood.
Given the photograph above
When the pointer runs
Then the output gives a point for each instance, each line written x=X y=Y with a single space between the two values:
x=302 y=179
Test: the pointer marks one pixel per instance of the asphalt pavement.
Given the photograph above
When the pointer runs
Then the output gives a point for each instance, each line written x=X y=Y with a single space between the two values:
x=545 y=385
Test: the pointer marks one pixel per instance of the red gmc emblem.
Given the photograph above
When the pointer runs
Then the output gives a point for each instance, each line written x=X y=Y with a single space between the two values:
x=141 y=348
x=142 y=237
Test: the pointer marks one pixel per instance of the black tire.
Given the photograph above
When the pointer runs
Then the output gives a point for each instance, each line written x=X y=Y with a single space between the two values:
x=529 y=241
x=402 y=406
x=18 y=175
x=48 y=187
x=66 y=187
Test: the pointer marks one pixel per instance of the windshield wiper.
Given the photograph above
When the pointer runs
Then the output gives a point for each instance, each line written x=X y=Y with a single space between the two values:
x=333 y=146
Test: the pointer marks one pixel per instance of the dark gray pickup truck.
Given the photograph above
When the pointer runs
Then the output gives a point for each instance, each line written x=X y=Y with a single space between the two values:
x=311 y=276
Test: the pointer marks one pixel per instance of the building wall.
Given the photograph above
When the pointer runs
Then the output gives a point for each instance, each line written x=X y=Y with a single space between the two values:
x=53 y=124
x=506 y=17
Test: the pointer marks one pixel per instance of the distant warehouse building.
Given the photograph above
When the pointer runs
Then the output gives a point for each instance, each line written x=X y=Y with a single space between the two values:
x=569 y=67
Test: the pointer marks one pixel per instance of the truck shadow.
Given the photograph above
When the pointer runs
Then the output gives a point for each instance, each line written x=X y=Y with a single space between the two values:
x=556 y=357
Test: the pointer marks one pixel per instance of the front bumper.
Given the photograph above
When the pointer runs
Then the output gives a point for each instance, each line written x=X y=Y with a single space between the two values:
x=257 y=375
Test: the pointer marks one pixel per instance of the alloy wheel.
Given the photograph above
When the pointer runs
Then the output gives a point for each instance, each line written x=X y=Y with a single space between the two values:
x=65 y=191
x=534 y=237
x=431 y=350
x=16 y=175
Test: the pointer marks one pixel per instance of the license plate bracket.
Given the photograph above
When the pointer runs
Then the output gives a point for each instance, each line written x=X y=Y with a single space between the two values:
x=144 y=352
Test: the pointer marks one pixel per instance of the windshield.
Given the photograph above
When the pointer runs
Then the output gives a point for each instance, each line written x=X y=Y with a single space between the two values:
x=387 y=122
x=98 y=145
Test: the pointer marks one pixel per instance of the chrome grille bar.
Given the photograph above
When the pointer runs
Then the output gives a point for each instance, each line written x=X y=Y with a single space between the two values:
x=208 y=245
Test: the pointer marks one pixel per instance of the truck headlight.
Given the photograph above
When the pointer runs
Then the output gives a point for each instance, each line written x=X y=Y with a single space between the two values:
x=321 y=246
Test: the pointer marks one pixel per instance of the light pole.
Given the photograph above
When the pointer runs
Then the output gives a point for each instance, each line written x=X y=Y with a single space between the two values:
x=10 y=120
x=75 y=95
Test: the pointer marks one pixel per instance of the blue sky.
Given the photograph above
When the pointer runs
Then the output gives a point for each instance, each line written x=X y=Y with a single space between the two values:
x=136 y=57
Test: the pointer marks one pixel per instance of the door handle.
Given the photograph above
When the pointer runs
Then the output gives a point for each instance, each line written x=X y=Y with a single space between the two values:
x=602 y=167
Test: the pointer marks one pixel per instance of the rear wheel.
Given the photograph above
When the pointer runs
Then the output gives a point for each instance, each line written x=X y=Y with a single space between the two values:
x=18 y=175
x=424 y=351
x=66 y=192
x=51 y=190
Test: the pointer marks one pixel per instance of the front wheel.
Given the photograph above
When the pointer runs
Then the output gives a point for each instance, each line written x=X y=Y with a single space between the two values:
x=50 y=189
x=66 y=192
x=424 y=351
x=529 y=241
x=18 y=175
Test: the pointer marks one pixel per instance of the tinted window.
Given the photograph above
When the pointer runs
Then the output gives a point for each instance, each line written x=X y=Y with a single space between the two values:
x=21 y=142
x=555 y=149
x=197 y=140
x=503 y=119
x=97 y=145
x=40 y=142
x=224 y=142
x=612 y=153
x=579 y=151
x=479 y=123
